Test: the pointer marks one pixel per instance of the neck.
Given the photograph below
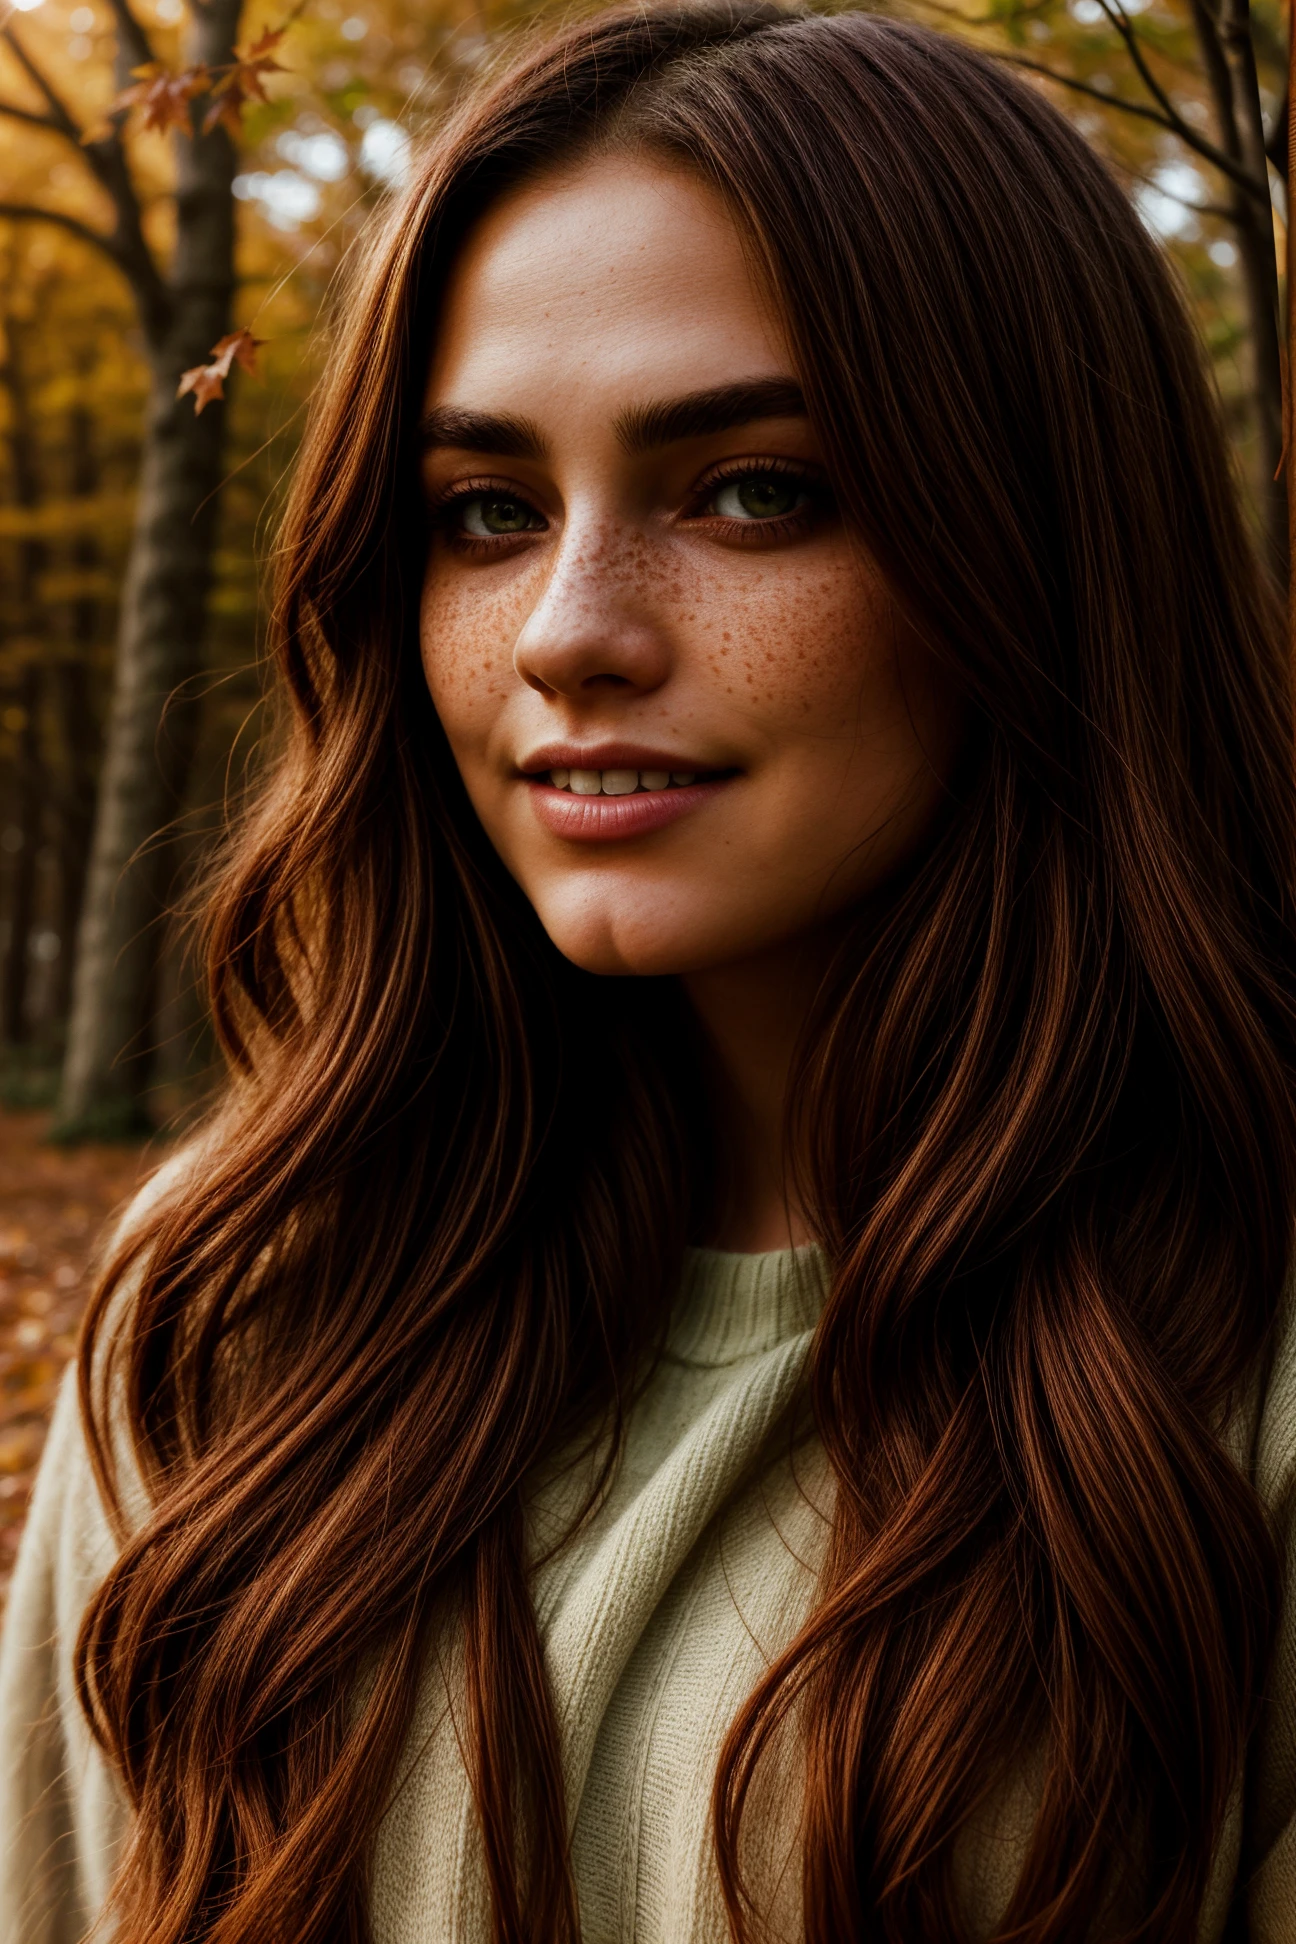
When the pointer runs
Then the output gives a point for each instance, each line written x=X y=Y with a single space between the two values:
x=752 y=1014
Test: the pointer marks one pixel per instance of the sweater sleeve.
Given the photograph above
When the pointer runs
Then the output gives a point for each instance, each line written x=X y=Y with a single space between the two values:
x=61 y=1815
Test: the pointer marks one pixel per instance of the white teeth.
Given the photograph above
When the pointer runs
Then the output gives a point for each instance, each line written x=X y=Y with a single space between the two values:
x=617 y=782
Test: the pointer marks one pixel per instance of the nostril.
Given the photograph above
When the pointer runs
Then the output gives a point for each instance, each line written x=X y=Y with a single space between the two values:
x=607 y=681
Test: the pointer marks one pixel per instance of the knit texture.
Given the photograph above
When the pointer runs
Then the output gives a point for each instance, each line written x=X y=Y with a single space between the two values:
x=658 y=1618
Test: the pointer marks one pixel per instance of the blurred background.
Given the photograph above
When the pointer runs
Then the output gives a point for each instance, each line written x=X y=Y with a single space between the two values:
x=179 y=188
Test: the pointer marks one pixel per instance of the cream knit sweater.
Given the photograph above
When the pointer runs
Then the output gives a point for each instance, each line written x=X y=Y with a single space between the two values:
x=658 y=1619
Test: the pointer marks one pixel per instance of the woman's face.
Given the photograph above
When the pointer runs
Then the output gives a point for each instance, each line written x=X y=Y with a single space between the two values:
x=683 y=705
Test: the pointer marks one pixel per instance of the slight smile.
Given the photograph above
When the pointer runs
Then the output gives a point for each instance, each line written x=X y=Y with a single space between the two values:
x=610 y=794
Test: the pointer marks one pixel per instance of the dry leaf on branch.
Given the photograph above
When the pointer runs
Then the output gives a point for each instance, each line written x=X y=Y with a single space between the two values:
x=162 y=96
x=244 y=81
x=208 y=381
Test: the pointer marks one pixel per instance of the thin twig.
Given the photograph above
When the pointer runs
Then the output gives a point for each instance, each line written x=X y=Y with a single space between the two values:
x=131 y=35
x=29 y=115
x=1173 y=124
x=39 y=80
x=33 y=213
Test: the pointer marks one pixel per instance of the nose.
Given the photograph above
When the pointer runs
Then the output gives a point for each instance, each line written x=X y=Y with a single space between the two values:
x=593 y=628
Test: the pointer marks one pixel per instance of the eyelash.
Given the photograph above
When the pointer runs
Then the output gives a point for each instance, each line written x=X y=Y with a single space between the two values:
x=747 y=532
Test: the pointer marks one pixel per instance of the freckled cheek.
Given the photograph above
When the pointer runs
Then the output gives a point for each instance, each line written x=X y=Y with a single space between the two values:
x=806 y=648
x=467 y=632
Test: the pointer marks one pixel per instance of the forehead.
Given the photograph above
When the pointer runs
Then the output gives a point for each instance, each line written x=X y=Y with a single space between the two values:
x=618 y=276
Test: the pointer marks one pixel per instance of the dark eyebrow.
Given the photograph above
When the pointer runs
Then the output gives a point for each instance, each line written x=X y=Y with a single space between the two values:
x=699 y=414
x=454 y=425
x=639 y=428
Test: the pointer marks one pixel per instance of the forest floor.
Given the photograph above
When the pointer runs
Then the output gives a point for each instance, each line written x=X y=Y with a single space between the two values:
x=54 y=1204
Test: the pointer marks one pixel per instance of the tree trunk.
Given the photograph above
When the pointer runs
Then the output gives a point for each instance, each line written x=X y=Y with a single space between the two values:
x=78 y=734
x=24 y=459
x=1260 y=272
x=14 y=1020
x=1228 y=57
x=149 y=743
x=74 y=715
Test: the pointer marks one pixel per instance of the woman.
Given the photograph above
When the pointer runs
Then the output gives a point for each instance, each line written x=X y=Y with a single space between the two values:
x=721 y=1367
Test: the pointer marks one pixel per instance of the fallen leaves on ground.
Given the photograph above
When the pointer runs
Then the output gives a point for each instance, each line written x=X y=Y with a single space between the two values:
x=54 y=1204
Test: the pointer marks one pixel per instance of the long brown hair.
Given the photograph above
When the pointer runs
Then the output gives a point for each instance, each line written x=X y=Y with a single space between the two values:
x=1043 y=1111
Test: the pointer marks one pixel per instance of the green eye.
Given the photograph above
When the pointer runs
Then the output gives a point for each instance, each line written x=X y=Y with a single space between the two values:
x=759 y=496
x=488 y=516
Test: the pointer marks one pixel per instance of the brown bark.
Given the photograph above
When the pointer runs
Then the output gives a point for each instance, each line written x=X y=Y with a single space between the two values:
x=25 y=477
x=70 y=699
x=1224 y=38
x=73 y=713
x=14 y=1020
x=150 y=738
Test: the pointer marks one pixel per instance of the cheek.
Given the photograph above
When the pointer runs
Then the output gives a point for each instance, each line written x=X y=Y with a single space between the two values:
x=467 y=629
x=808 y=646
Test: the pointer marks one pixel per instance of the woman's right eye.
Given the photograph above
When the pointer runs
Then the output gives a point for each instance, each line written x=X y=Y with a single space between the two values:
x=494 y=516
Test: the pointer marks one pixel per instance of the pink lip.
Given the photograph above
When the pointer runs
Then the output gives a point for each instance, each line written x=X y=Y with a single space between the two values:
x=611 y=819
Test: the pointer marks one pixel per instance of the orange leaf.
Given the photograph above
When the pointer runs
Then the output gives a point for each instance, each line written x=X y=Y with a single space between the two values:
x=162 y=96
x=205 y=382
x=226 y=108
x=244 y=81
x=208 y=381
x=240 y=347
x=267 y=43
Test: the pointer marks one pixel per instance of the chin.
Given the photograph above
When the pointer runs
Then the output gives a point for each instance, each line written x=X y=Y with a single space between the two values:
x=611 y=957
x=627 y=941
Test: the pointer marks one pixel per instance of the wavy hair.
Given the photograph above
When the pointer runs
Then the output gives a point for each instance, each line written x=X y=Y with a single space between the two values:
x=1042 y=1114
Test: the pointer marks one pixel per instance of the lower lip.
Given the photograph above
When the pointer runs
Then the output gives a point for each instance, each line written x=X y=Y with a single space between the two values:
x=612 y=819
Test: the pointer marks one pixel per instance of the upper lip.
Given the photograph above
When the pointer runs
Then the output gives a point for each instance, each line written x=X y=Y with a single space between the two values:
x=612 y=755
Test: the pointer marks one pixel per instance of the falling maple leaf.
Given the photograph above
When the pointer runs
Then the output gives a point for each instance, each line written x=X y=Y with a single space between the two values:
x=244 y=81
x=208 y=381
x=163 y=96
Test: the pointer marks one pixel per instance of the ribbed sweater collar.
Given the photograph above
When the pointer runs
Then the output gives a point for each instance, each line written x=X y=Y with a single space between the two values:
x=735 y=1306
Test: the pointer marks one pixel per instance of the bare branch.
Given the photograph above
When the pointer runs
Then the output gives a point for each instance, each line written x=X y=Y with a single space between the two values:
x=30 y=117
x=1173 y=122
x=1120 y=20
x=39 y=80
x=1138 y=108
x=131 y=36
x=105 y=158
x=32 y=213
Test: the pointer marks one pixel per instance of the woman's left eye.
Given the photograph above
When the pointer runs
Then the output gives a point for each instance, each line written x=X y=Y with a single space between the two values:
x=759 y=496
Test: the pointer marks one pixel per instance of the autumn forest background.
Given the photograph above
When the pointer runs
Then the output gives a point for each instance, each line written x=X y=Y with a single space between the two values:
x=180 y=184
